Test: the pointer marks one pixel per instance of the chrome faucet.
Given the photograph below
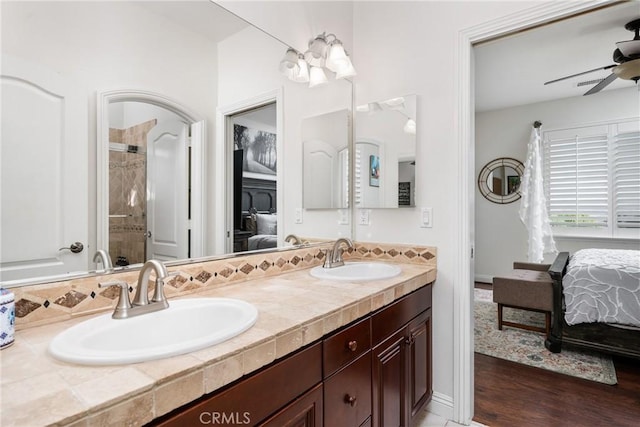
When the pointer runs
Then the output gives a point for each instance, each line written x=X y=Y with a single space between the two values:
x=103 y=256
x=333 y=256
x=141 y=304
x=142 y=291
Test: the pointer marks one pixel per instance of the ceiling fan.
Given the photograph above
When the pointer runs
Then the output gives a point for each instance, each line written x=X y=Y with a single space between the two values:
x=626 y=58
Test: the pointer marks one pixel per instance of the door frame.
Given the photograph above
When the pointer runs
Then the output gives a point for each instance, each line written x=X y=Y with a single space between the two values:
x=224 y=166
x=198 y=161
x=463 y=343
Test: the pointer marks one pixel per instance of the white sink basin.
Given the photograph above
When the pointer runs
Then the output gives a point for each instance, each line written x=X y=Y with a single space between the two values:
x=357 y=271
x=187 y=325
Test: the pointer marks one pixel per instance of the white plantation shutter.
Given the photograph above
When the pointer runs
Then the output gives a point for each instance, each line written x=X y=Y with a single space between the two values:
x=577 y=176
x=592 y=178
x=626 y=176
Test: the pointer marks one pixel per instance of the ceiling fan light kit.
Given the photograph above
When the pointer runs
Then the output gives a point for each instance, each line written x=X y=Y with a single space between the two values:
x=627 y=58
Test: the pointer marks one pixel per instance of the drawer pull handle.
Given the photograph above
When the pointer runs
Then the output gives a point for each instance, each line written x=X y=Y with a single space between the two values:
x=353 y=345
x=351 y=400
x=410 y=340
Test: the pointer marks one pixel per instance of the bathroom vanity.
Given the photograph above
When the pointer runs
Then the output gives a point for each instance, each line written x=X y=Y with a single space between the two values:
x=375 y=371
x=321 y=352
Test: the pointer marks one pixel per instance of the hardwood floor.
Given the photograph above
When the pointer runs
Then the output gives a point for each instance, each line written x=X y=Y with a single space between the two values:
x=512 y=394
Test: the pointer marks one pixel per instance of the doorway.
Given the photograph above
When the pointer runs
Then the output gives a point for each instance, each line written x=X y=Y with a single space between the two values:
x=148 y=184
x=463 y=303
x=250 y=181
x=149 y=192
x=255 y=180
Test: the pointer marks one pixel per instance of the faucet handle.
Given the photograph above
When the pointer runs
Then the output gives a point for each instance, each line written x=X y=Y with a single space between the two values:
x=328 y=257
x=124 y=303
x=158 y=293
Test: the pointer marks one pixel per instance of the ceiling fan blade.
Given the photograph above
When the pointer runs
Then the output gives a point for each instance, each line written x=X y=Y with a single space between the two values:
x=582 y=73
x=604 y=83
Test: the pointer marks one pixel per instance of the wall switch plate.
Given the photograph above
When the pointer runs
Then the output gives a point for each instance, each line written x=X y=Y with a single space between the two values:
x=426 y=217
x=363 y=217
x=298 y=216
x=344 y=216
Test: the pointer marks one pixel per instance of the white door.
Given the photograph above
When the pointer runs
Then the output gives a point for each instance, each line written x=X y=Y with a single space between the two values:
x=320 y=169
x=167 y=191
x=44 y=174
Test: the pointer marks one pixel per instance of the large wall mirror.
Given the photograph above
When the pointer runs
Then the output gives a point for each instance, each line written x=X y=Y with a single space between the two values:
x=385 y=153
x=93 y=91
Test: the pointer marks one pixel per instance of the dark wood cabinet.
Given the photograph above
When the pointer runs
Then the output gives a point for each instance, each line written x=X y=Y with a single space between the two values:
x=346 y=364
x=252 y=400
x=306 y=411
x=401 y=376
x=389 y=379
x=373 y=372
x=419 y=363
x=347 y=394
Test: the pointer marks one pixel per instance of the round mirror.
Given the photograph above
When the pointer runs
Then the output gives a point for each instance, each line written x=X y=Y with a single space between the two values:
x=499 y=180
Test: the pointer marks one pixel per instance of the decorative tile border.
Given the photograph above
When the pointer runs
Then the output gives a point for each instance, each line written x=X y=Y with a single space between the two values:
x=41 y=304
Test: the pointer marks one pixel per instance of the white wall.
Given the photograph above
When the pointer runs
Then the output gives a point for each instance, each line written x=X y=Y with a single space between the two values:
x=411 y=47
x=113 y=45
x=501 y=238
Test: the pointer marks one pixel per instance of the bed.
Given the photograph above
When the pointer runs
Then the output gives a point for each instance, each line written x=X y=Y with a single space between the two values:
x=258 y=210
x=264 y=228
x=596 y=301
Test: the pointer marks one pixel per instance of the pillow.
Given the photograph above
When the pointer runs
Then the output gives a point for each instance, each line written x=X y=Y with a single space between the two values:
x=267 y=224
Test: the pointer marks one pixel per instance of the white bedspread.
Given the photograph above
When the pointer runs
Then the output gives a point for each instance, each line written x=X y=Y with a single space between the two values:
x=603 y=285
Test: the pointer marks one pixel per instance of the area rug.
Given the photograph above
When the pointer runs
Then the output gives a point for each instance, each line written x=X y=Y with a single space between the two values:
x=527 y=347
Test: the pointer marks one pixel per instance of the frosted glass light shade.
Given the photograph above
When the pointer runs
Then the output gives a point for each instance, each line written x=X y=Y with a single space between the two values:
x=317 y=52
x=317 y=77
x=346 y=71
x=289 y=65
x=337 y=58
x=629 y=70
x=410 y=127
x=303 y=71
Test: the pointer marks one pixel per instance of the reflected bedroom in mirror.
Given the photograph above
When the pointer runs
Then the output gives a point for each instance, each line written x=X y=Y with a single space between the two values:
x=385 y=153
x=119 y=115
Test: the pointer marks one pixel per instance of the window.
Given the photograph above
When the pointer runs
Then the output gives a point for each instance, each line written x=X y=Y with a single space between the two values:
x=592 y=179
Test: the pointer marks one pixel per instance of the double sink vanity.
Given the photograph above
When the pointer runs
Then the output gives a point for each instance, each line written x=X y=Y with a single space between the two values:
x=306 y=345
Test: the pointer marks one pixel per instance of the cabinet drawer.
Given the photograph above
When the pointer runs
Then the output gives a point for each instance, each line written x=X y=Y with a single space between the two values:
x=389 y=319
x=345 y=346
x=347 y=394
x=256 y=397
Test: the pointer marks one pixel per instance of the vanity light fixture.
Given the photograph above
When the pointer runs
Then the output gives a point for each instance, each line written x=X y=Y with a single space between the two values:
x=325 y=54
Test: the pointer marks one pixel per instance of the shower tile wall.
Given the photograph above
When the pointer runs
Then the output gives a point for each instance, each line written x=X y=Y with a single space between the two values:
x=127 y=195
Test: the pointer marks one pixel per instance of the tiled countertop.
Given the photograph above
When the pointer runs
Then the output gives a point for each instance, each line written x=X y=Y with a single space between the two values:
x=295 y=309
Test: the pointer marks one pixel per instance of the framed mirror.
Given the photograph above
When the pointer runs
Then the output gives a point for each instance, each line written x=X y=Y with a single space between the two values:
x=499 y=180
x=385 y=153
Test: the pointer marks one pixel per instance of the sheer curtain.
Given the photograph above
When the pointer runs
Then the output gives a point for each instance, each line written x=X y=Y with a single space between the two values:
x=533 y=207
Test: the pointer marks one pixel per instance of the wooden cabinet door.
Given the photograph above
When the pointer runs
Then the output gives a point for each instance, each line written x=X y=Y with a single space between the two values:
x=389 y=379
x=306 y=411
x=419 y=361
x=347 y=394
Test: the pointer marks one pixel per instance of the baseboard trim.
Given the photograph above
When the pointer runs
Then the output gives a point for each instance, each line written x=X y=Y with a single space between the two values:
x=483 y=278
x=441 y=405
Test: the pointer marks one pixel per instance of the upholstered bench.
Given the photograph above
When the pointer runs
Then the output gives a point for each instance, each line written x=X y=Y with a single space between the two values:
x=527 y=287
